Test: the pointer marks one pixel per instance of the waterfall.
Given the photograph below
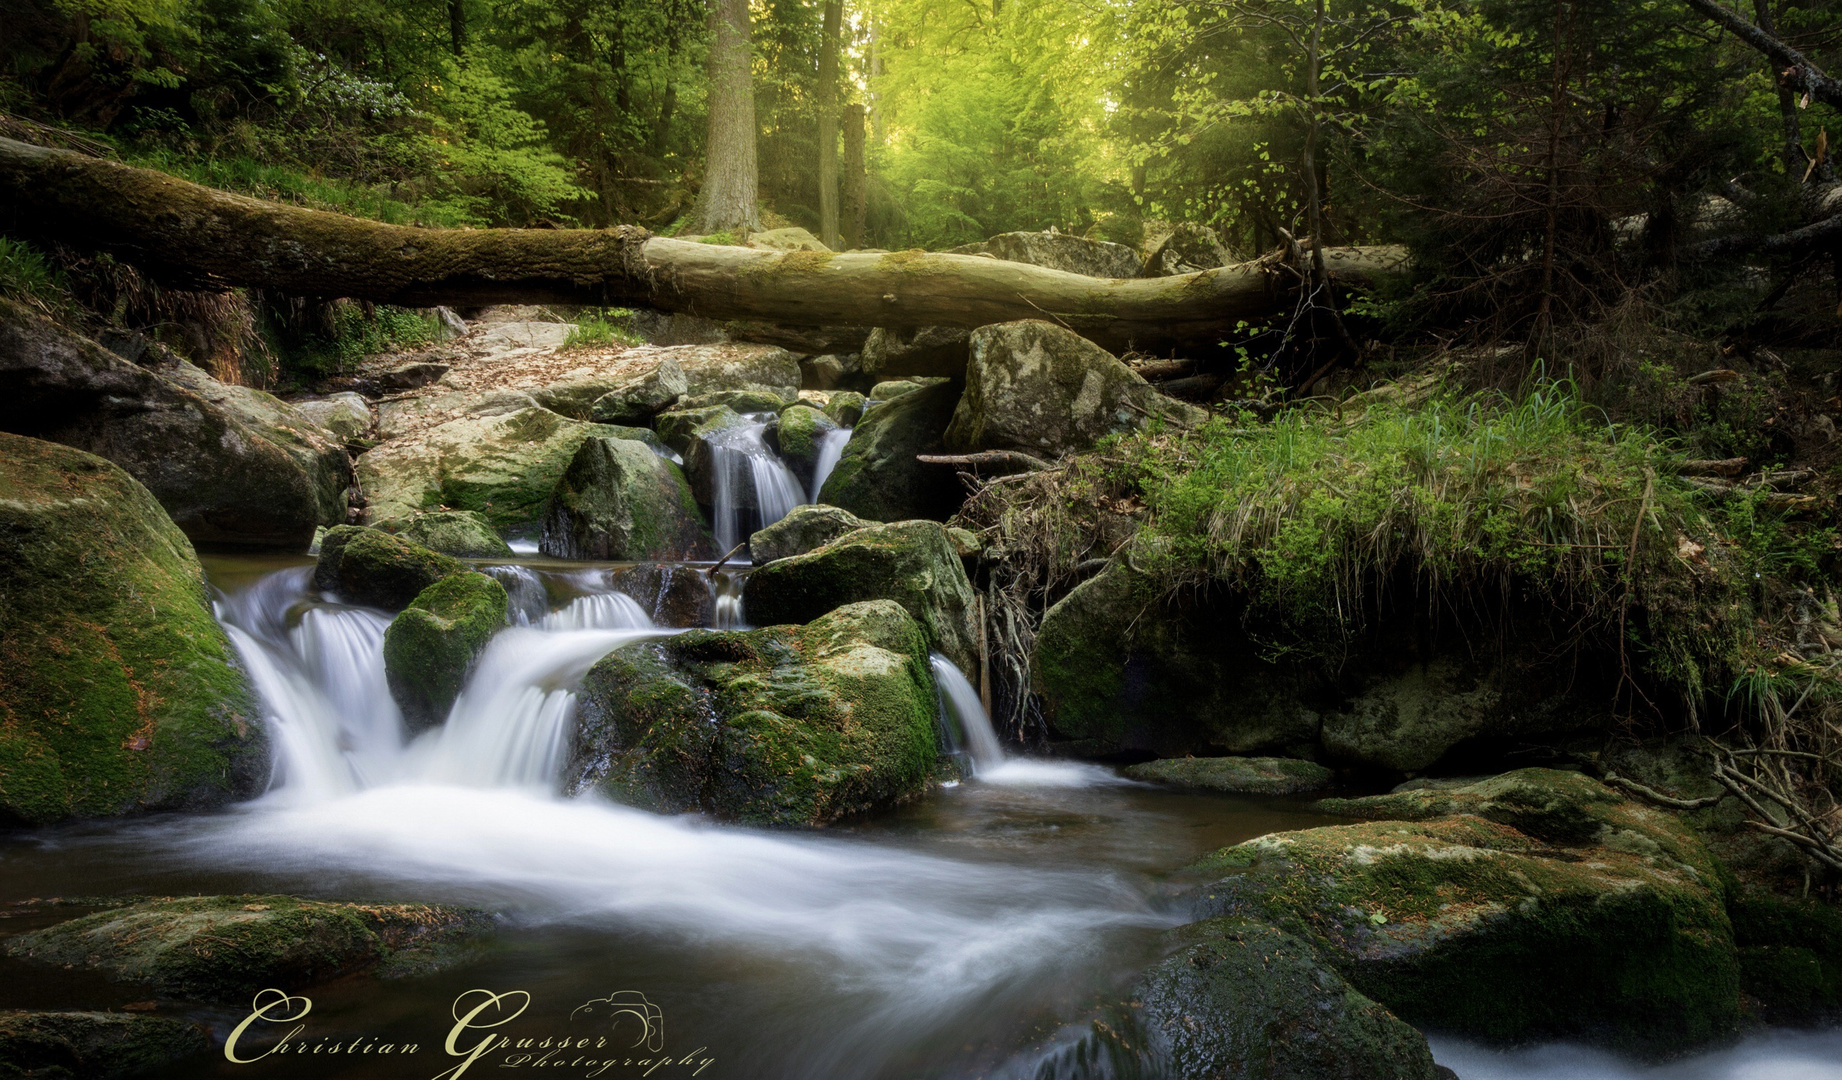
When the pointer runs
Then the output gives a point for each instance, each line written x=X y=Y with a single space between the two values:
x=831 y=448
x=524 y=588
x=962 y=703
x=729 y=615
x=602 y=611
x=753 y=488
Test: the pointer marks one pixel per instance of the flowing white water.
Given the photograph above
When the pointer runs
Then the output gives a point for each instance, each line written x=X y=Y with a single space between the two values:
x=1768 y=1055
x=525 y=589
x=989 y=762
x=831 y=448
x=753 y=488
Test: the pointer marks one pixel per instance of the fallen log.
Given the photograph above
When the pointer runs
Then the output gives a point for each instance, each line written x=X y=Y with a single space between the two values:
x=192 y=237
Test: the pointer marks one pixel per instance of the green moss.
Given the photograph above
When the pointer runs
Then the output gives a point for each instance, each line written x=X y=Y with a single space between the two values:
x=1254 y=776
x=224 y=948
x=1790 y=955
x=118 y=690
x=798 y=433
x=370 y=566
x=94 y=1045
x=430 y=647
x=619 y=500
x=456 y=532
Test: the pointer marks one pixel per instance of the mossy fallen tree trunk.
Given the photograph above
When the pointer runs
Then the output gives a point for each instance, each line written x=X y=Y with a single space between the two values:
x=192 y=237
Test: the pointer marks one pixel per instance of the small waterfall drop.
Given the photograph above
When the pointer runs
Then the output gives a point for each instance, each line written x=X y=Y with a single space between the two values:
x=525 y=589
x=729 y=614
x=601 y=611
x=960 y=700
x=753 y=488
x=831 y=448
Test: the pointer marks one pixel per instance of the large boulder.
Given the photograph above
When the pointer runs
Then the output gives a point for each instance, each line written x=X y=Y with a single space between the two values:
x=713 y=368
x=922 y=350
x=878 y=477
x=501 y=462
x=913 y=563
x=798 y=437
x=431 y=646
x=671 y=594
x=119 y=691
x=1059 y=251
x=619 y=500
x=680 y=428
x=788 y=725
x=1043 y=389
x=347 y=415
x=397 y=417
x=94 y=1045
x=1790 y=957
x=1188 y=249
x=225 y=948
x=643 y=397
x=463 y=533
x=374 y=568
x=806 y=528
x=1238 y=998
x=1537 y=904
x=231 y=465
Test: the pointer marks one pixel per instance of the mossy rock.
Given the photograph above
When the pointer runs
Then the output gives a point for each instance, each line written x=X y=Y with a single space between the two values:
x=431 y=646
x=119 y=691
x=910 y=562
x=679 y=428
x=891 y=389
x=924 y=350
x=1059 y=251
x=225 y=948
x=376 y=569
x=878 y=478
x=738 y=401
x=788 y=725
x=798 y=434
x=462 y=533
x=1790 y=956
x=1239 y=998
x=1242 y=775
x=619 y=500
x=93 y=1045
x=845 y=407
x=1471 y=926
x=673 y=594
x=638 y=400
x=805 y=528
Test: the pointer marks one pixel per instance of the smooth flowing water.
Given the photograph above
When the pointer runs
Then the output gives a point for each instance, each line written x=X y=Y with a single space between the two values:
x=831 y=448
x=753 y=488
x=974 y=932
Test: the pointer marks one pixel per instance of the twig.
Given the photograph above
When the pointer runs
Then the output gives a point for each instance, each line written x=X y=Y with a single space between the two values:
x=718 y=565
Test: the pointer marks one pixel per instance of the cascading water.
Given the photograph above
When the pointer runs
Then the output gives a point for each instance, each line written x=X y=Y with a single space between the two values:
x=831 y=448
x=989 y=762
x=752 y=487
x=729 y=614
x=525 y=590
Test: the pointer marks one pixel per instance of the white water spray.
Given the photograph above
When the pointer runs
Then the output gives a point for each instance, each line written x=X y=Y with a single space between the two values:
x=752 y=485
x=989 y=762
x=831 y=448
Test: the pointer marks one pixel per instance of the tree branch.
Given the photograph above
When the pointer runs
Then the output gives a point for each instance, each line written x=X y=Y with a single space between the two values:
x=1799 y=74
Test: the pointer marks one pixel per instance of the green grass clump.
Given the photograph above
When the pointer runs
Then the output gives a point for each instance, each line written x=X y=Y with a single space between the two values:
x=26 y=275
x=1465 y=502
x=357 y=335
x=607 y=326
x=247 y=176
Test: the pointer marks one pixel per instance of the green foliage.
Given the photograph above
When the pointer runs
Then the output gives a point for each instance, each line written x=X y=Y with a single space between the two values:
x=351 y=333
x=26 y=275
x=604 y=326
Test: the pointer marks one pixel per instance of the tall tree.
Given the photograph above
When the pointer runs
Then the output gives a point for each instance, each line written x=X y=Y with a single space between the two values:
x=828 y=124
x=730 y=179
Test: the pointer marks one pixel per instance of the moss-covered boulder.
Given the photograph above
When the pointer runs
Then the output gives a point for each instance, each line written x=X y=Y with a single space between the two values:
x=1240 y=775
x=1237 y=998
x=679 y=428
x=1188 y=249
x=643 y=397
x=924 y=350
x=347 y=416
x=462 y=533
x=1790 y=957
x=788 y=725
x=94 y=1045
x=878 y=477
x=805 y=529
x=1606 y=921
x=502 y=464
x=229 y=464
x=739 y=401
x=710 y=369
x=225 y=948
x=1044 y=389
x=672 y=594
x=845 y=407
x=910 y=562
x=619 y=500
x=430 y=647
x=119 y=691
x=890 y=389
x=377 y=569
x=797 y=437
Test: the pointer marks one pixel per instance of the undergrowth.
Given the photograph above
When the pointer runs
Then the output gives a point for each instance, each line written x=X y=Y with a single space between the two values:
x=603 y=326
x=348 y=333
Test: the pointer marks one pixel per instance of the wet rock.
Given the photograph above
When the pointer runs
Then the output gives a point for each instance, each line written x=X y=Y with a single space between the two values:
x=1059 y=251
x=846 y=407
x=347 y=416
x=924 y=350
x=1790 y=957
x=639 y=400
x=1242 y=775
x=462 y=533
x=803 y=530
x=895 y=388
x=412 y=376
x=797 y=437
x=431 y=646
x=400 y=416
x=376 y=569
x=911 y=562
x=1239 y=998
x=740 y=401
x=119 y=692
x=94 y=1045
x=501 y=463
x=619 y=500
x=679 y=428
x=1605 y=922
x=1045 y=390
x=878 y=477
x=225 y=948
x=788 y=725
x=230 y=465
x=672 y=594
x=1186 y=250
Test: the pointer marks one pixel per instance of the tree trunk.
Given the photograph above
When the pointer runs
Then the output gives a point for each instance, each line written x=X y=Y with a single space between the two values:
x=828 y=124
x=457 y=25
x=728 y=199
x=856 y=180
x=192 y=237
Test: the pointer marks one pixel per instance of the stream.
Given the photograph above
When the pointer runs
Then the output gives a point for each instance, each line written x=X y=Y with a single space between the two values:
x=973 y=933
